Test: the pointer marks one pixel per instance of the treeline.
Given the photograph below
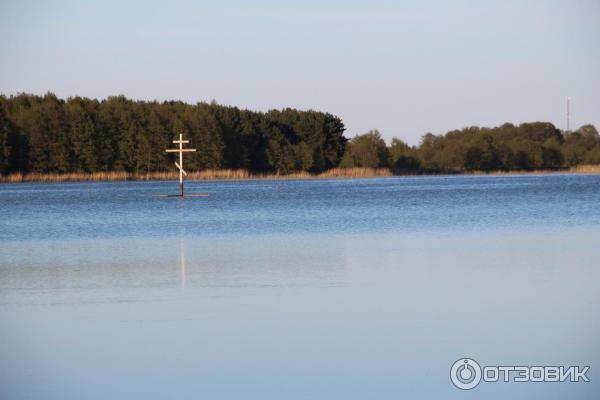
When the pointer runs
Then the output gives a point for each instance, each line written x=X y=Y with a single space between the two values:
x=45 y=134
x=529 y=146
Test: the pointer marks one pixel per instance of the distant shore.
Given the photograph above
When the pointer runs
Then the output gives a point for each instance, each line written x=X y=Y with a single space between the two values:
x=228 y=174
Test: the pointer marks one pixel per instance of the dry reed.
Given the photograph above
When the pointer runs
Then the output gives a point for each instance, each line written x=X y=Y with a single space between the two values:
x=581 y=169
x=586 y=169
x=240 y=174
x=224 y=174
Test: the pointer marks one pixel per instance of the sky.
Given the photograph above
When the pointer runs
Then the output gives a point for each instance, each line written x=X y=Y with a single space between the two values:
x=403 y=67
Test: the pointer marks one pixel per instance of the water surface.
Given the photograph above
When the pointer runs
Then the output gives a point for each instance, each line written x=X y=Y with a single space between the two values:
x=297 y=289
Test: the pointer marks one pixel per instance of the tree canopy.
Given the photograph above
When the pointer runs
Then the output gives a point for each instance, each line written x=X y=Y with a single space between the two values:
x=537 y=145
x=47 y=134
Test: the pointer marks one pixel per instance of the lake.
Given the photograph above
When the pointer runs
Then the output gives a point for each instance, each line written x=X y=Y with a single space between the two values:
x=310 y=289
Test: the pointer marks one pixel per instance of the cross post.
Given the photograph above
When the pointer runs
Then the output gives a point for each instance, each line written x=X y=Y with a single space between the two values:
x=179 y=165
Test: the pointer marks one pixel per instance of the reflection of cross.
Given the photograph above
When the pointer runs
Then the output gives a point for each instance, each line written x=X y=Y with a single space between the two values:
x=182 y=251
x=180 y=150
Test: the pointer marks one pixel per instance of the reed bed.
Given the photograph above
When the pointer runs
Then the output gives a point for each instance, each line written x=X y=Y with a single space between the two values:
x=68 y=177
x=586 y=169
x=240 y=174
x=518 y=172
x=356 y=173
x=581 y=169
x=224 y=174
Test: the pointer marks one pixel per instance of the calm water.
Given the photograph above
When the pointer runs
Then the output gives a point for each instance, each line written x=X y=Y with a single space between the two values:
x=339 y=289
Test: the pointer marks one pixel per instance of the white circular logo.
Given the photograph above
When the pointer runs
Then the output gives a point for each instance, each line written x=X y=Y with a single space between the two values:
x=465 y=373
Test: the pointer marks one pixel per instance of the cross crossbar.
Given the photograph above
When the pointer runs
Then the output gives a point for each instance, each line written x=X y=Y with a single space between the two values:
x=179 y=150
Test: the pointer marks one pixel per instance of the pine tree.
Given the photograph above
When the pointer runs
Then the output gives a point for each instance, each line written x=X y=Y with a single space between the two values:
x=82 y=137
x=5 y=148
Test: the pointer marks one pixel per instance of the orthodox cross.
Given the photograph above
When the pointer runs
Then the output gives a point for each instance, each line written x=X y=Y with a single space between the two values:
x=180 y=150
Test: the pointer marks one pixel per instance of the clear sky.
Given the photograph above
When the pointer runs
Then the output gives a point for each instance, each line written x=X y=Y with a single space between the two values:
x=403 y=67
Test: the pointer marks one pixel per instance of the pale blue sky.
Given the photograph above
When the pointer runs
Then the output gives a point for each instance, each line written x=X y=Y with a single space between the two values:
x=403 y=67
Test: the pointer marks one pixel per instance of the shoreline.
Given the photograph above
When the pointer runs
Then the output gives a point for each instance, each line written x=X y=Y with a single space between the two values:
x=336 y=173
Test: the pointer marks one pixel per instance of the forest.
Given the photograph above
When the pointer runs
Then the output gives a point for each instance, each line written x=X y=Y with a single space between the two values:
x=45 y=134
x=524 y=147
x=49 y=135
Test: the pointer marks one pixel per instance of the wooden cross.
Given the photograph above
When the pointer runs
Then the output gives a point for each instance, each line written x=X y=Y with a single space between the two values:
x=180 y=150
